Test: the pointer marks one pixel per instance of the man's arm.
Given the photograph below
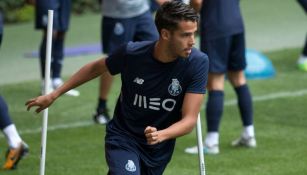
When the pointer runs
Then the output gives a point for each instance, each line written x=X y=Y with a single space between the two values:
x=86 y=73
x=190 y=109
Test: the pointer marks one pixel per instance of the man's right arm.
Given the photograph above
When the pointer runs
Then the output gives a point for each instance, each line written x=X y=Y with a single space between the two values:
x=86 y=73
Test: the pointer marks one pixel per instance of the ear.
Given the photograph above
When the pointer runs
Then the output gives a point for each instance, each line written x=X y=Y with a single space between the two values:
x=165 y=34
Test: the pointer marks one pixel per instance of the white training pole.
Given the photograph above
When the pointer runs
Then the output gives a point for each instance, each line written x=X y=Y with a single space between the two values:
x=46 y=91
x=202 y=170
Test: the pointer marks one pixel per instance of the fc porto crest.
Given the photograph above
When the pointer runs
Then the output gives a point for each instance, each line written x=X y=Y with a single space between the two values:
x=130 y=166
x=119 y=29
x=174 y=88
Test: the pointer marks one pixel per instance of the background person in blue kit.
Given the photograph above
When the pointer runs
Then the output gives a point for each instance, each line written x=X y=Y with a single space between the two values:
x=61 y=19
x=163 y=86
x=1 y=27
x=302 y=61
x=222 y=38
x=17 y=147
x=122 y=21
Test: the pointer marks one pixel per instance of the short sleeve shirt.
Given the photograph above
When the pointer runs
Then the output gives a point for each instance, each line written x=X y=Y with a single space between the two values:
x=152 y=92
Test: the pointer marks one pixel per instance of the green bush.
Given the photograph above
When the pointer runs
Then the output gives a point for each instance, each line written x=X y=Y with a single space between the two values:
x=19 y=11
x=16 y=11
x=84 y=6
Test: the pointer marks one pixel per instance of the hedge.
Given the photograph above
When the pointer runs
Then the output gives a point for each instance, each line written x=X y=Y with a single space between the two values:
x=19 y=11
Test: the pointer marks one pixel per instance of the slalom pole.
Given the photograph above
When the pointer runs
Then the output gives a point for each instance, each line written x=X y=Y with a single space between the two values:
x=202 y=170
x=46 y=91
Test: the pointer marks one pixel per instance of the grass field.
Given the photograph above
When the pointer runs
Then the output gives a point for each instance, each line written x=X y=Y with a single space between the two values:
x=75 y=145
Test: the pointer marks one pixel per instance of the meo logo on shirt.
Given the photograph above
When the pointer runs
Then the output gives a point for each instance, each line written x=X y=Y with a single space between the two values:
x=154 y=103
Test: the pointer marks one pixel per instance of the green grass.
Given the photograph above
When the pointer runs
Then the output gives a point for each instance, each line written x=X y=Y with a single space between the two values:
x=280 y=123
x=280 y=129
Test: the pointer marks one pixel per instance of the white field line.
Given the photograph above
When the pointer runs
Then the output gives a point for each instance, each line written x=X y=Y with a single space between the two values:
x=56 y=127
x=271 y=96
x=231 y=102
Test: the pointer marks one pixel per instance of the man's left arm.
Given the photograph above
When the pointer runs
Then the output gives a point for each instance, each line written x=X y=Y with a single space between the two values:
x=190 y=109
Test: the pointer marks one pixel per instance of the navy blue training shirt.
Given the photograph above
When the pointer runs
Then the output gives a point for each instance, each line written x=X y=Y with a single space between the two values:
x=152 y=92
x=220 y=18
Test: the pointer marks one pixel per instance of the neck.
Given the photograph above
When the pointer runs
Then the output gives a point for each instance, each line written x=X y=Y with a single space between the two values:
x=162 y=52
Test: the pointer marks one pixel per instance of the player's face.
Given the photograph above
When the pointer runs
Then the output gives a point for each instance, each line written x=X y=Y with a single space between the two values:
x=183 y=39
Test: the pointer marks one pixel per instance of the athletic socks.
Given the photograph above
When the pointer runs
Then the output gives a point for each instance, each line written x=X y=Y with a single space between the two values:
x=7 y=126
x=245 y=104
x=56 y=82
x=246 y=110
x=214 y=110
x=212 y=139
x=12 y=136
x=102 y=104
x=57 y=56
x=248 y=132
x=42 y=55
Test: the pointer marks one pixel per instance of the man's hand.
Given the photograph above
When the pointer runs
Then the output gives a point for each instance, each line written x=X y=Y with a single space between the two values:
x=152 y=135
x=42 y=102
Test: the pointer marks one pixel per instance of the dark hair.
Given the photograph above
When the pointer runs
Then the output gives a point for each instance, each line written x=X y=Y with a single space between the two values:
x=171 y=13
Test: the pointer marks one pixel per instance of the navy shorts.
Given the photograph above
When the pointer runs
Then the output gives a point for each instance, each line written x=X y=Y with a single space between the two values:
x=124 y=158
x=225 y=53
x=118 y=31
x=61 y=14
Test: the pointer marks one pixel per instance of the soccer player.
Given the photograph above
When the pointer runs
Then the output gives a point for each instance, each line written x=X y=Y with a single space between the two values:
x=122 y=21
x=1 y=27
x=302 y=61
x=163 y=86
x=61 y=17
x=17 y=148
x=222 y=38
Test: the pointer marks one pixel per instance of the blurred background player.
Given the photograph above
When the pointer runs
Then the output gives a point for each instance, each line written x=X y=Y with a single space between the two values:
x=1 y=27
x=302 y=61
x=17 y=148
x=122 y=21
x=60 y=26
x=222 y=38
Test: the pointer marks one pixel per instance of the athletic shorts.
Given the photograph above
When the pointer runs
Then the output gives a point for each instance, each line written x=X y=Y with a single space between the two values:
x=225 y=53
x=61 y=14
x=124 y=158
x=118 y=31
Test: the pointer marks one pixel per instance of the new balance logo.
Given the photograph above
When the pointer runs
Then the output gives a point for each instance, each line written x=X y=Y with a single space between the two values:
x=138 y=80
x=154 y=103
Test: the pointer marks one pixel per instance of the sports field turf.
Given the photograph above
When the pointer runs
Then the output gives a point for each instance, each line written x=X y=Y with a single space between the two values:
x=75 y=145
